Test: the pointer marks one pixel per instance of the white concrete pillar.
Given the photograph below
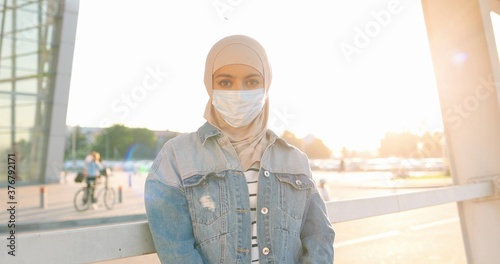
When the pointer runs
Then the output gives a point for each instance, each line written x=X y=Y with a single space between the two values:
x=467 y=74
x=57 y=126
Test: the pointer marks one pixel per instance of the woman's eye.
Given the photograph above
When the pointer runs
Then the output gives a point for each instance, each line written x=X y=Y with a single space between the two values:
x=225 y=83
x=253 y=83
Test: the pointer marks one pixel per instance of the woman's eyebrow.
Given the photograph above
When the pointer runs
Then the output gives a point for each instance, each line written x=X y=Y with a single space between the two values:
x=253 y=75
x=225 y=75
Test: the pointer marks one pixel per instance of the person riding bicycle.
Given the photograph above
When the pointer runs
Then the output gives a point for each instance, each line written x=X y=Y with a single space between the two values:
x=93 y=167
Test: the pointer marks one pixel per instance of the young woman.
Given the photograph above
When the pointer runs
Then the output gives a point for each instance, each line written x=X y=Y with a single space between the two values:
x=233 y=191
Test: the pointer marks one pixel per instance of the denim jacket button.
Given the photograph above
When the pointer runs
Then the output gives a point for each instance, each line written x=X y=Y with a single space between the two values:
x=266 y=173
x=298 y=182
x=265 y=251
x=264 y=210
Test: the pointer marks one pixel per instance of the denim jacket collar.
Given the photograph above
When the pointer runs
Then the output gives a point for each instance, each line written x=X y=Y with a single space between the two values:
x=207 y=131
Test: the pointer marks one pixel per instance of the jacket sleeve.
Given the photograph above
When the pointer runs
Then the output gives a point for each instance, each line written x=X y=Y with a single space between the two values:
x=317 y=234
x=170 y=223
x=168 y=216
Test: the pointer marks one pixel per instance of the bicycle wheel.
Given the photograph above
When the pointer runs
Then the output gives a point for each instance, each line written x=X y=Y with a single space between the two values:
x=109 y=198
x=81 y=202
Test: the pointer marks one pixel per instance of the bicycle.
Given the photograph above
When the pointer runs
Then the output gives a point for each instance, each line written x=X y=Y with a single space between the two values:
x=105 y=194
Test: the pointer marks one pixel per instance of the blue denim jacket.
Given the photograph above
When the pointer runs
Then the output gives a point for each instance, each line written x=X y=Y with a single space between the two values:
x=198 y=207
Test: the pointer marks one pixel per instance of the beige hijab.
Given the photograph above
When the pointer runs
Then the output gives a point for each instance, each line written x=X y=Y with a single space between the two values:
x=249 y=141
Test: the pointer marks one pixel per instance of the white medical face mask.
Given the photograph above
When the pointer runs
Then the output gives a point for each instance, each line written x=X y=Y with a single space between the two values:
x=239 y=107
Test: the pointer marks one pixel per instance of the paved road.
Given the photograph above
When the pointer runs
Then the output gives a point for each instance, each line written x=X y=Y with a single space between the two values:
x=425 y=235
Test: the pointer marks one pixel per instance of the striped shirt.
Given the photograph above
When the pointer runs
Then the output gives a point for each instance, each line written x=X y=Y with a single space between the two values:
x=252 y=176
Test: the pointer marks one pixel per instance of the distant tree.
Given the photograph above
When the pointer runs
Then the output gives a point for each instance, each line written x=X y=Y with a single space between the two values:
x=316 y=149
x=291 y=139
x=81 y=144
x=408 y=145
x=312 y=146
x=430 y=145
x=116 y=141
x=403 y=145
x=145 y=141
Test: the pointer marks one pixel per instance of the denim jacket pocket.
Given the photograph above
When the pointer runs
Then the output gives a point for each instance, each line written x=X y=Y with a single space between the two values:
x=294 y=193
x=207 y=197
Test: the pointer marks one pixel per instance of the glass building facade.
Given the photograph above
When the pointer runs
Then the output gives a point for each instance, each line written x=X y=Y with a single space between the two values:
x=36 y=52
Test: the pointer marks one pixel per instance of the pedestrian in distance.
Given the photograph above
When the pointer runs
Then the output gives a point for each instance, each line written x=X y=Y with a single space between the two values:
x=233 y=191
x=93 y=167
x=342 y=166
x=323 y=189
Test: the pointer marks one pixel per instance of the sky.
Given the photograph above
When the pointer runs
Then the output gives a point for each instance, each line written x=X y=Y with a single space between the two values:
x=345 y=72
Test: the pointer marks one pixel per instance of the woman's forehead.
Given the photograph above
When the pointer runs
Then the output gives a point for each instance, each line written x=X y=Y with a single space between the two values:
x=233 y=70
x=238 y=54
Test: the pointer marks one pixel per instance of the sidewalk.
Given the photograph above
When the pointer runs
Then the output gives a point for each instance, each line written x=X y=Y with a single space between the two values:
x=60 y=213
